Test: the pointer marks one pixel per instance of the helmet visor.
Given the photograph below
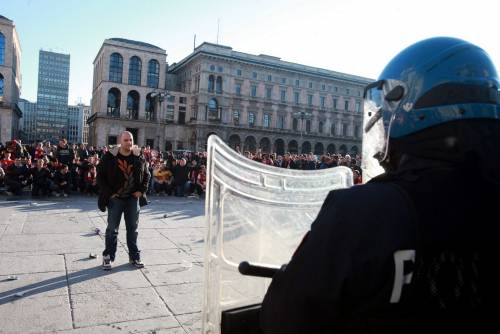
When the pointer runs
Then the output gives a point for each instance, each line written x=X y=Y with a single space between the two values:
x=381 y=100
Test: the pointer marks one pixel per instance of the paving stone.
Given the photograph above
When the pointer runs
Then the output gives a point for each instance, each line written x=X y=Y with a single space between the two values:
x=49 y=242
x=185 y=272
x=100 y=308
x=33 y=284
x=154 y=325
x=52 y=227
x=166 y=256
x=17 y=264
x=97 y=279
x=191 y=322
x=35 y=315
x=182 y=298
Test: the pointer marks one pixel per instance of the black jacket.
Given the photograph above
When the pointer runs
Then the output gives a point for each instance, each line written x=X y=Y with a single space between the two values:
x=344 y=277
x=109 y=177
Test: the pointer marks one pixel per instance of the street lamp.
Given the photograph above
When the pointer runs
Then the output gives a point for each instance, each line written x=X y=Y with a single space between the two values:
x=302 y=115
x=159 y=97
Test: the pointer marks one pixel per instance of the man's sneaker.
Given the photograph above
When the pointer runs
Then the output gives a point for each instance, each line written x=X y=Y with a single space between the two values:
x=137 y=263
x=106 y=262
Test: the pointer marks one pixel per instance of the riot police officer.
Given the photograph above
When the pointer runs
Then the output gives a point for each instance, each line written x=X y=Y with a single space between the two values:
x=418 y=253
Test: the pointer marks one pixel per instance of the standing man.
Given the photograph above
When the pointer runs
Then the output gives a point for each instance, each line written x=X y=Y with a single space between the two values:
x=123 y=179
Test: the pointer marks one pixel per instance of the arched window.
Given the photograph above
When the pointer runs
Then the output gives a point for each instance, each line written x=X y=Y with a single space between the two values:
x=2 y=49
x=134 y=71
x=295 y=124
x=133 y=105
x=1 y=87
x=149 y=108
x=114 y=97
x=320 y=127
x=115 y=67
x=212 y=105
x=153 y=73
x=218 y=87
x=211 y=83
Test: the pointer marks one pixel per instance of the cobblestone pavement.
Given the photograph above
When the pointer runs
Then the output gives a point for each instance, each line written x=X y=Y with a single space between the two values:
x=46 y=244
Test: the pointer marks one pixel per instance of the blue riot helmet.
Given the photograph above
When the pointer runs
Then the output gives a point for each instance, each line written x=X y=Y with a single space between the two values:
x=432 y=82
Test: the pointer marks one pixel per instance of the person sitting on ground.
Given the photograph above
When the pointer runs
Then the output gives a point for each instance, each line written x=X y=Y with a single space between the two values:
x=41 y=177
x=17 y=177
x=162 y=180
x=7 y=161
x=91 y=187
x=201 y=182
x=62 y=180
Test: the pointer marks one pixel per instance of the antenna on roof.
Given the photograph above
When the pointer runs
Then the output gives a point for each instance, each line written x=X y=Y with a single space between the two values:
x=194 y=42
x=218 y=23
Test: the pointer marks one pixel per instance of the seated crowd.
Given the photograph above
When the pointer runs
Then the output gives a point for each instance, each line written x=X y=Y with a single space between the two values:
x=68 y=168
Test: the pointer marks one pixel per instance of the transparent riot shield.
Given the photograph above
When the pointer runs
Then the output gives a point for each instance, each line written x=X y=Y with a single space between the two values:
x=254 y=213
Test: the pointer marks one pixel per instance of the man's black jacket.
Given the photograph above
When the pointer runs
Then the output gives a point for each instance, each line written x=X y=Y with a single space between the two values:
x=110 y=179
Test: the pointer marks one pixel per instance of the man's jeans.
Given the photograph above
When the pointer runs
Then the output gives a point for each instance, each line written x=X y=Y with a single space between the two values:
x=130 y=209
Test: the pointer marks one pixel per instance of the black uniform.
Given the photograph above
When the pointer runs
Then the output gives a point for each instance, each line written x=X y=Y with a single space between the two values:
x=418 y=254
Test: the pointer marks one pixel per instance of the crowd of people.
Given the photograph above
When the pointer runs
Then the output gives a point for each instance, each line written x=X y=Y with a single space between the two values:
x=59 y=170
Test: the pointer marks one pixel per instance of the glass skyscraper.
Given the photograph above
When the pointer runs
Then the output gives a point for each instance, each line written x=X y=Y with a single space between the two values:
x=52 y=99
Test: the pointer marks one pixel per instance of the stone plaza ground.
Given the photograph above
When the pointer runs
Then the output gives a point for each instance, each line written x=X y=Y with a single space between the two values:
x=46 y=244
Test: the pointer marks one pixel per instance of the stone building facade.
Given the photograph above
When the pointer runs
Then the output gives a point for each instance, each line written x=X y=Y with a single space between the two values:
x=129 y=94
x=249 y=101
x=10 y=80
x=263 y=102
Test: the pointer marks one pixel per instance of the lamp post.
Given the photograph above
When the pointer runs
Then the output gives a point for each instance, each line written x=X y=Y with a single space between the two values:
x=159 y=97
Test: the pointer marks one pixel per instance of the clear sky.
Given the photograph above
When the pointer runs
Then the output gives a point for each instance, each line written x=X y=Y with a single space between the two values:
x=351 y=36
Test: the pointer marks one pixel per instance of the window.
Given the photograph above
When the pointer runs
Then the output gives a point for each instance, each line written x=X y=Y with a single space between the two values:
x=320 y=127
x=115 y=67
x=212 y=68
x=134 y=71
x=237 y=89
x=344 y=129
x=269 y=78
x=153 y=73
x=220 y=69
x=322 y=101
x=269 y=92
x=133 y=105
x=236 y=117
x=322 y=87
x=308 y=125
x=211 y=83
x=346 y=105
x=283 y=81
x=281 y=122
x=218 y=85
x=310 y=100
x=182 y=115
x=149 y=108
x=113 y=102
x=295 y=124
x=297 y=83
x=310 y=85
x=238 y=73
x=347 y=91
x=296 y=97
x=1 y=87
x=254 y=91
x=254 y=75
x=283 y=95
x=358 y=106
x=169 y=117
x=171 y=98
x=332 y=129
x=2 y=49
x=357 y=132
x=336 y=89
x=251 y=119
x=334 y=104
x=182 y=99
x=267 y=120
